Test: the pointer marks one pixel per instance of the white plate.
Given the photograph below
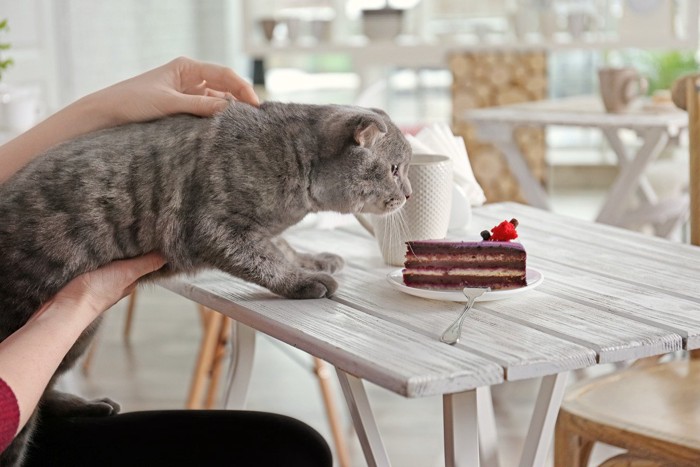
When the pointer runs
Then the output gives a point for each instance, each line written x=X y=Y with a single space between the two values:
x=395 y=278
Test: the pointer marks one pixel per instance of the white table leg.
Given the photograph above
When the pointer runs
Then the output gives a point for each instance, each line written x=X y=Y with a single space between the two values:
x=241 y=366
x=459 y=414
x=363 y=420
x=541 y=430
x=667 y=215
x=666 y=228
x=501 y=136
x=630 y=173
x=488 y=435
x=623 y=158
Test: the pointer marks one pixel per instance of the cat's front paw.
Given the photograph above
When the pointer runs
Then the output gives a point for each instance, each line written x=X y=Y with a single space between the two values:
x=328 y=262
x=62 y=404
x=313 y=286
x=104 y=407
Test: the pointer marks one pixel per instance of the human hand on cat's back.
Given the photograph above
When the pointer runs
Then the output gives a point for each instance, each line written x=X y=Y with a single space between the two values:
x=98 y=290
x=182 y=85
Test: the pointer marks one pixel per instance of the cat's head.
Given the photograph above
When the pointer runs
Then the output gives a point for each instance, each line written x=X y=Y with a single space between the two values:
x=362 y=166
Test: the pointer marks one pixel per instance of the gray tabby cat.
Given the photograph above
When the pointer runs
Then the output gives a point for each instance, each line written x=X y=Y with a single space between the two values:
x=205 y=192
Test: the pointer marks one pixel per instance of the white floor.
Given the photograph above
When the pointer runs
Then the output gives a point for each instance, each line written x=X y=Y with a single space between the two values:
x=153 y=370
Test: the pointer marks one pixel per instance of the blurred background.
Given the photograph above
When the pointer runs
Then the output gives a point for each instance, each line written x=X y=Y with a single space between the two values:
x=423 y=61
x=335 y=49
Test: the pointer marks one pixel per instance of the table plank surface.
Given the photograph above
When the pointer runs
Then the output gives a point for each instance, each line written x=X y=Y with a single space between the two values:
x=360 y=344
x=542 y=224
x=585 y=111
x=645 y=278
x=612 y=338
x=608 y=295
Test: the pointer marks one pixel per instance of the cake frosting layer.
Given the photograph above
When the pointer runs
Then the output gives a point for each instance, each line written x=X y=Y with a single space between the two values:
x=424 y=247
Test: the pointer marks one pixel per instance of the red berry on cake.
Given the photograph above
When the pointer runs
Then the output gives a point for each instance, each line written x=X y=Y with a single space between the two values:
x=504 y=232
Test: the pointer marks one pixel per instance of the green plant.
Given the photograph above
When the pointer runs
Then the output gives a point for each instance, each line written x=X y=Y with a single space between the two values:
x=663 y=68
x=4 y=62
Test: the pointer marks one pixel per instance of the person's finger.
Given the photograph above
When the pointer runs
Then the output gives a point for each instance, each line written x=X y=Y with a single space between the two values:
x=219 y=94
x=203 y=106
x=203 y=90
x=218 y=78
x=248 y=95
x=141 y=265
x=197 y=90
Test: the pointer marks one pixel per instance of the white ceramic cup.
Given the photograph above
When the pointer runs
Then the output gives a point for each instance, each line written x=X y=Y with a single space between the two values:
x=620 y=87
x=425 y=216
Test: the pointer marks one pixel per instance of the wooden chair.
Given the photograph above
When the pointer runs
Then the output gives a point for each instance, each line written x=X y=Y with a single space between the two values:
x=208 y=369
x=211 y=353
x=650 y=409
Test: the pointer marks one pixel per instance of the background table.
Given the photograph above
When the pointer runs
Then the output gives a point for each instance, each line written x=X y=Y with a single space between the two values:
x=608 y=295
x=654 y=125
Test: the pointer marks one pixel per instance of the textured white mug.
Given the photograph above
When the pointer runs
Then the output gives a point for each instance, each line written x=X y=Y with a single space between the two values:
x=426 y=215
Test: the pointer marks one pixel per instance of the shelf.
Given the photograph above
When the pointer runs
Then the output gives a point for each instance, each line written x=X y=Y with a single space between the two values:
x=408 y=51
x=423 y=46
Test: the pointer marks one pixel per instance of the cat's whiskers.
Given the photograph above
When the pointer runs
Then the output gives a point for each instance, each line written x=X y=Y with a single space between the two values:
x=396 y=230
x=406 y=229
x=387 y=235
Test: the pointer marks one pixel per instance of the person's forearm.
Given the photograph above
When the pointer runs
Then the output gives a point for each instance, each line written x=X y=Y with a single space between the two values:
x=180 y=86
x=30 y=356
x=80 y=117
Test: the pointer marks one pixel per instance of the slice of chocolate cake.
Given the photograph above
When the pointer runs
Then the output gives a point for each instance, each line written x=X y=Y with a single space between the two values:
x=495 y=262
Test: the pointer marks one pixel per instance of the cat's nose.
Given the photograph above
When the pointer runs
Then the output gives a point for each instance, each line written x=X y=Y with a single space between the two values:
x=407 y=196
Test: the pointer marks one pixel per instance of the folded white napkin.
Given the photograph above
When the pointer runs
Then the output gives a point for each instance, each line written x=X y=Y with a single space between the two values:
x=439 y=139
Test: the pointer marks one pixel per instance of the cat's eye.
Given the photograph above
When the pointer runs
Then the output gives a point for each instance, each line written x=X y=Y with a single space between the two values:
x=395 y=170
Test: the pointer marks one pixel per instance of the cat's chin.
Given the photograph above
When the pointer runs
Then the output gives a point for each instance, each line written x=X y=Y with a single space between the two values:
x=376 y=213
x=386 y=213
x=380 y=212
x=377 y=208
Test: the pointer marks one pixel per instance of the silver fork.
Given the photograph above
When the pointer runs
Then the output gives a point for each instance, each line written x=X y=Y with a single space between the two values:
x=452 y=333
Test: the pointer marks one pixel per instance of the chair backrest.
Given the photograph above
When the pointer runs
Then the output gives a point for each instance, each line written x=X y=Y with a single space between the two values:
x=686 y=95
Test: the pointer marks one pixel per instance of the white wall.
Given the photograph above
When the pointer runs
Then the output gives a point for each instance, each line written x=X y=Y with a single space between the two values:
x=72 y=47
x=101 y=42
x=31 y=37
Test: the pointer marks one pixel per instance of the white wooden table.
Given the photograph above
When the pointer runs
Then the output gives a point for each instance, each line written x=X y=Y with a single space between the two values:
x=655 y=126
x=608 y=295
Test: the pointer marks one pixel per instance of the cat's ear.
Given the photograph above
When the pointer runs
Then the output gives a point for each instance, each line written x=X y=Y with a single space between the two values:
x=369 y=129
